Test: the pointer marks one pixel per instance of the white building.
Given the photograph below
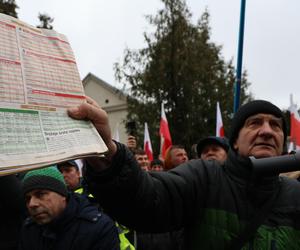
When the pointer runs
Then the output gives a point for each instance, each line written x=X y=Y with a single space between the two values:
x=111 y=99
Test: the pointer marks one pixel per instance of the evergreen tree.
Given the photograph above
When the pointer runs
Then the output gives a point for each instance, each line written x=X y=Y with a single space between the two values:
x=46 y=21
x=9 y=7
x=182 y=68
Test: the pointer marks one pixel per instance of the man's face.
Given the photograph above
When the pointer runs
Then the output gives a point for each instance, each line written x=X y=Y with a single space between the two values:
x=214 y=152
x=44 y=205
x=143 y=161
x=71 y=175
x=178 y=156
x=261 y=136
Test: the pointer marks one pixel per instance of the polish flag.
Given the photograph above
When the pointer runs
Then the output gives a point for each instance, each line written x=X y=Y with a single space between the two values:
x=164 y=132
x=219 y=126
x=147 y=143
x=295 y=126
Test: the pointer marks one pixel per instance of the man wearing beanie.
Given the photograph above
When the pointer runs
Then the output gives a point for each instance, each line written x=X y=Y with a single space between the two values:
x=226 y=207
x=213 y=148
x=60 y=220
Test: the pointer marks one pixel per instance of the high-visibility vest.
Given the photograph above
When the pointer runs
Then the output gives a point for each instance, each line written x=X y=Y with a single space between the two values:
x=124 y=242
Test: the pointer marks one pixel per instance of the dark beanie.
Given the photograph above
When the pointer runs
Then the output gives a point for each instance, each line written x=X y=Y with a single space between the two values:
x=212 y=140
x=253 y=108
x=46 y=178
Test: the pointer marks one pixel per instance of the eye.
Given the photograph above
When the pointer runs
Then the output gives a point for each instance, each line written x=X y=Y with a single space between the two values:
x=254 y=122
x=276 y=124
x=27 y=199
x=40 y=194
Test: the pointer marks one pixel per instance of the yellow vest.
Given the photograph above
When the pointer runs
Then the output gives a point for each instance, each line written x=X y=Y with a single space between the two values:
x=124 y=242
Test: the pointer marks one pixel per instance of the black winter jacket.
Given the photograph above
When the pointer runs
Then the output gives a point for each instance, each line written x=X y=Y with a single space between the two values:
x=12 y=212
x=80 y=227
x=212 y=202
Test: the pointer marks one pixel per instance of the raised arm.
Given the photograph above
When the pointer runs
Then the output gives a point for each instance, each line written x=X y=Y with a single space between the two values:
x=144 y=201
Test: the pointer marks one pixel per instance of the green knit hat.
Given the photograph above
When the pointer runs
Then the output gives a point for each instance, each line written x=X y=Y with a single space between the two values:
x=46 y=178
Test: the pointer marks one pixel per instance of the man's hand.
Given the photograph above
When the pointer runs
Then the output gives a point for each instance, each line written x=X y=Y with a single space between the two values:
x=131 y=142
x=292 y=175
x=90 y=110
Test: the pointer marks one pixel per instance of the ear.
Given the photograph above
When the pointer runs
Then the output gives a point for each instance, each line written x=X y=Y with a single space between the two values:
x=235 y=146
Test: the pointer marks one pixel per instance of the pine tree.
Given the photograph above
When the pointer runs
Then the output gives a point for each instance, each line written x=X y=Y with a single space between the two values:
x=9 y=7
x=46 y=21
x=182 y=68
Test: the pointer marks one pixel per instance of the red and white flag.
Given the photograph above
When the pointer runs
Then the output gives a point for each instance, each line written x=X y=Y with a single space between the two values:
x=219 y=125
x=147 y=143
x=295 y=126
x=164 y=132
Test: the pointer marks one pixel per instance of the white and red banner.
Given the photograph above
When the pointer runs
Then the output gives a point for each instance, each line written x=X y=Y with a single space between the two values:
x=147 y=143
x=219 y=125
x=295 y=126
x=164 y=132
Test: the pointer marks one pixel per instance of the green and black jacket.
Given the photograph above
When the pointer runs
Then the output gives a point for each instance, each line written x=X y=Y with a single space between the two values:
x=212 y=203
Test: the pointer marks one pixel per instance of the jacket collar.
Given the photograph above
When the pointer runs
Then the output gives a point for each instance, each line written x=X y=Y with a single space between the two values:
x=240 y=168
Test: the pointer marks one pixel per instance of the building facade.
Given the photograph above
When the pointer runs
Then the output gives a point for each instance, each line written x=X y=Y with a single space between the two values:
x=112 y=100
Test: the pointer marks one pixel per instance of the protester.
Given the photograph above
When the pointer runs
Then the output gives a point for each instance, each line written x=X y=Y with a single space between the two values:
x=156 y=165
x=175 y=156
x=142 y=159
x=213 y=148
x=71 y=174
x=219 y=207
x=12 y=212
x=62 y=220
x=140 y=154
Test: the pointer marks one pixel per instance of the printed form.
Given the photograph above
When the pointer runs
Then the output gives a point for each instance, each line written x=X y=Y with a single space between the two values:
x=39 y=79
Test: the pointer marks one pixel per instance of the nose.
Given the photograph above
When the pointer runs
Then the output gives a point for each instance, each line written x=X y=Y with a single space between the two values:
x=210 y=153
x=266 y=129
x=32 y=202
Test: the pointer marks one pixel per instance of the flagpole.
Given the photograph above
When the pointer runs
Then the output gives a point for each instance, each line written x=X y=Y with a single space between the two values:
x=237 y=86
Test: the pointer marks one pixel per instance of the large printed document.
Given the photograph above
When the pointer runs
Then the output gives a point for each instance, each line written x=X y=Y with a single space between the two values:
x=39 y=79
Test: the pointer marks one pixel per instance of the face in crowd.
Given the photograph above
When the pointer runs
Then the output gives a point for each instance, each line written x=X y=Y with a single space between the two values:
x=261 y=136
x=178 y=156
x=44 y=205
x=213 y=152
x=71 y=175
x=157 y=165
x=143 y=161
x=175 y=155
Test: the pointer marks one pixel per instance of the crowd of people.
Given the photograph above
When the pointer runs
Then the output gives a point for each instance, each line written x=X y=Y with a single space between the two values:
x=125 y=201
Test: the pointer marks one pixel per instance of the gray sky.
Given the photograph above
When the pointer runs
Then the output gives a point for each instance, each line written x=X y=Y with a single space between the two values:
x=100 y=30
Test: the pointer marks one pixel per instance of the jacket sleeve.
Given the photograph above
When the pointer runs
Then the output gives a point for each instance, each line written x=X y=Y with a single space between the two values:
x=148 y=202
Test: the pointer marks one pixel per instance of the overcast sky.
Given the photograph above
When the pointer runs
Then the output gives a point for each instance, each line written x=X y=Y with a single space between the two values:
x=100 y=30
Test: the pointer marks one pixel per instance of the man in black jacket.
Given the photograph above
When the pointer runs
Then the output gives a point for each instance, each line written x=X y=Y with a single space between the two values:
x=60 y=220
x=214 y=204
